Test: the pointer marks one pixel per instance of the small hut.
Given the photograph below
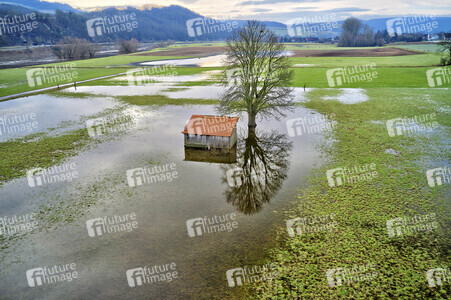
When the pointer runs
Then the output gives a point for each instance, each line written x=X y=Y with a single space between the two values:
x=210 y=132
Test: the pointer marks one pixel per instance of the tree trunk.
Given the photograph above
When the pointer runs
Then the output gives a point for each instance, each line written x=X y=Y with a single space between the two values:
x=251 y=122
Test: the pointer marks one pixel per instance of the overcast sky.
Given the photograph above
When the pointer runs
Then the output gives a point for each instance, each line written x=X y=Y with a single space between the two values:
x=283 y=10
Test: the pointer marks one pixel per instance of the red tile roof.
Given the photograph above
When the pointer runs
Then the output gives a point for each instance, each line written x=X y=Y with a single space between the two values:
x=211 y=125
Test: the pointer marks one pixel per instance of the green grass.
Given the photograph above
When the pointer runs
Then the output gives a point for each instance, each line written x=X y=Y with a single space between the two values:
x=362 y=209
x=420 y=47
x=428 y=59
x=38 y=150
x=160 y=100
x=386 y=77
x=77 y=95
x=175 y=89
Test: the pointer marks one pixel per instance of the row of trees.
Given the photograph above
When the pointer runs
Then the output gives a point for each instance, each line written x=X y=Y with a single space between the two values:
x=70 y=48
x=356 y=34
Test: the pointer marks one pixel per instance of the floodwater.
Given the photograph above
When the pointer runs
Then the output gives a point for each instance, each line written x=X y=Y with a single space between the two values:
x=208 y=61
x=162 y=208
x=47 y=112
x=204 y=62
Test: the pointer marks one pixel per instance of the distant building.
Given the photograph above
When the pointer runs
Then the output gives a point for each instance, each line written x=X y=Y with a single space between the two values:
x=210 y=132
x=432 y=37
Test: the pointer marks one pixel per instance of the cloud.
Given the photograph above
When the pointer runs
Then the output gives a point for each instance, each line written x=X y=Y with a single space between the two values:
x=262 y=10
x=263 y=2
x=188 y=1
x=346 y=9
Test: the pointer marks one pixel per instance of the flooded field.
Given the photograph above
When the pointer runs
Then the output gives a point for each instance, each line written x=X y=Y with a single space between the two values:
x=162 y=209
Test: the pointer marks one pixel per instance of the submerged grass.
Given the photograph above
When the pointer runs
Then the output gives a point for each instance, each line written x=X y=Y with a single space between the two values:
x=160 y=100
x=78 y=95
x=363 y=208
x=38 y=150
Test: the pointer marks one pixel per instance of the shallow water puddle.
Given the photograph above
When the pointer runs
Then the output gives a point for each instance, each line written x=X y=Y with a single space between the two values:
x=350 y=96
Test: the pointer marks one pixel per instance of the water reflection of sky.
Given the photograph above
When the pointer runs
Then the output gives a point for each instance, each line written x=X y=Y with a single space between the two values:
x=162 y=211
x=50 y=111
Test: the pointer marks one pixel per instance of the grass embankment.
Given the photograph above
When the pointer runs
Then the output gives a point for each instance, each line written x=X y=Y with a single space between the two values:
x=362 y=209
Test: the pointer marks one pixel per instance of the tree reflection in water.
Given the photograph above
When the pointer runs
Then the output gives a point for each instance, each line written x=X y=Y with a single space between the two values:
x=263 y=160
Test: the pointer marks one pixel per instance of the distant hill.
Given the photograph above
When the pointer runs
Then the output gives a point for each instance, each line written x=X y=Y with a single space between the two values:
x=42 y=6
x=153 y=23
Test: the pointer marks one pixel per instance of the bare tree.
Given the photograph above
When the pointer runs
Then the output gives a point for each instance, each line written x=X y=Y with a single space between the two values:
x=356 y=34
x=82 y=48
x=65 y=48
x=257 y=75
x=128 y=46
x=69 y=48
x=93 y=48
